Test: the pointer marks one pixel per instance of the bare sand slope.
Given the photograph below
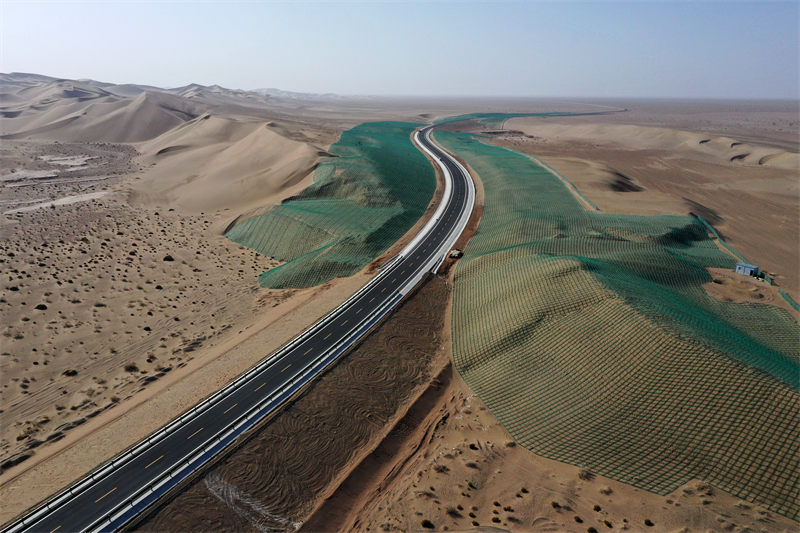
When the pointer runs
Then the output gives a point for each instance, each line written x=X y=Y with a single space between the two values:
x=773 y=123
x=752 y=201
x=212 y=163
x=67 y=111
x=700 y=146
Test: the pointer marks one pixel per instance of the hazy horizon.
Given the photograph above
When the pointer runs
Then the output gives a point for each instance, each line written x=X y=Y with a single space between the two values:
x=616 y=100
x=595 y=50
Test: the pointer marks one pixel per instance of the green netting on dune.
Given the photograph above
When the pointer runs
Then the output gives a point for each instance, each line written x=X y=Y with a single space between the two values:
x=497 y=120
x=591 y=339
x=361 y=203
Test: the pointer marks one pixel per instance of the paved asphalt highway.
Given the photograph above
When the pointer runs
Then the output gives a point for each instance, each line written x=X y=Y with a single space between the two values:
x=92 y=507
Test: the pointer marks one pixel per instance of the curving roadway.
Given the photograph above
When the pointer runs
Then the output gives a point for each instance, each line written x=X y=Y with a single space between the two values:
x=120 y=490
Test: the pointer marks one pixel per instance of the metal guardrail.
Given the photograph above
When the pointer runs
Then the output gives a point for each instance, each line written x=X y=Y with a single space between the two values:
x=465 y=215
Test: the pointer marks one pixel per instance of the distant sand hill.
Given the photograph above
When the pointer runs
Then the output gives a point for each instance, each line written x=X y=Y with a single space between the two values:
x=204 y=148
x=210 y=163
x=70 y=111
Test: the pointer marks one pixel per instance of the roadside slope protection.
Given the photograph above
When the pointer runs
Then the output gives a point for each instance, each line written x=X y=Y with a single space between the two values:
x=362 y=201
x=590 y=337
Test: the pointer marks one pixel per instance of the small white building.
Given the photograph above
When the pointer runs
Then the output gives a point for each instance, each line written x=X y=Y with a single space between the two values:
x=747 y=269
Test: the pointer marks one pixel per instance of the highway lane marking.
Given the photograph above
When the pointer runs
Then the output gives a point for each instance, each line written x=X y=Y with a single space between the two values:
x=403 y=272
x=161 y=457
x=261 y=385
x=56 y=529
x=304 y=353
x=195 y=433
x=393 y=280
x=343 y=323
x=229 y=408
x=371 y=299
x=326 y=336
x=287 y=367
x=383 y=289
x=359 y=310
x=104 y=495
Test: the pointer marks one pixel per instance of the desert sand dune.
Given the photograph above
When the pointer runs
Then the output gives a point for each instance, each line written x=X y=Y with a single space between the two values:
x=666 y=171
x=217 y=95
x=717 y=149
x=60 y=90
x=144 y=117
x=214 y=163
x=66 y=115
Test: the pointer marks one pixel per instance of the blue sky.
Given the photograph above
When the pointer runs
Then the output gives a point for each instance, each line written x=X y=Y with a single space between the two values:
x=596 y=49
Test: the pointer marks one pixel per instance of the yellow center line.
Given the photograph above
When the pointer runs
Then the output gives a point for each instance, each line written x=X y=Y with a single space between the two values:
x=287 y=366
x=229 y=408
x=195 y=433
x=157 y=460
x=259 y=387
x=343 y=323
x=104 y=495
x=308 y=351
x=56 y=529
x=326 y=336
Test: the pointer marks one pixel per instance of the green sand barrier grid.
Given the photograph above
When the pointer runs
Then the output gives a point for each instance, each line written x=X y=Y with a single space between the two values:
x=362 y=201
x=498 y=120
x=591 y=339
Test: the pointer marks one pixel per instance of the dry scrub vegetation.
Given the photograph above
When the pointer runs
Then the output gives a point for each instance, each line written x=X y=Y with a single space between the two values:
x=99 y=300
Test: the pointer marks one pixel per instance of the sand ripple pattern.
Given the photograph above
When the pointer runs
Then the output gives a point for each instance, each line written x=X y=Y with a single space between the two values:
x=288 y=463
x=246 y=506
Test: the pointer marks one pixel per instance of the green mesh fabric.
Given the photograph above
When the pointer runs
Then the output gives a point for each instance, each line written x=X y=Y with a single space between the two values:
x=496 y=120
x=361 y=202
x=591 y=339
